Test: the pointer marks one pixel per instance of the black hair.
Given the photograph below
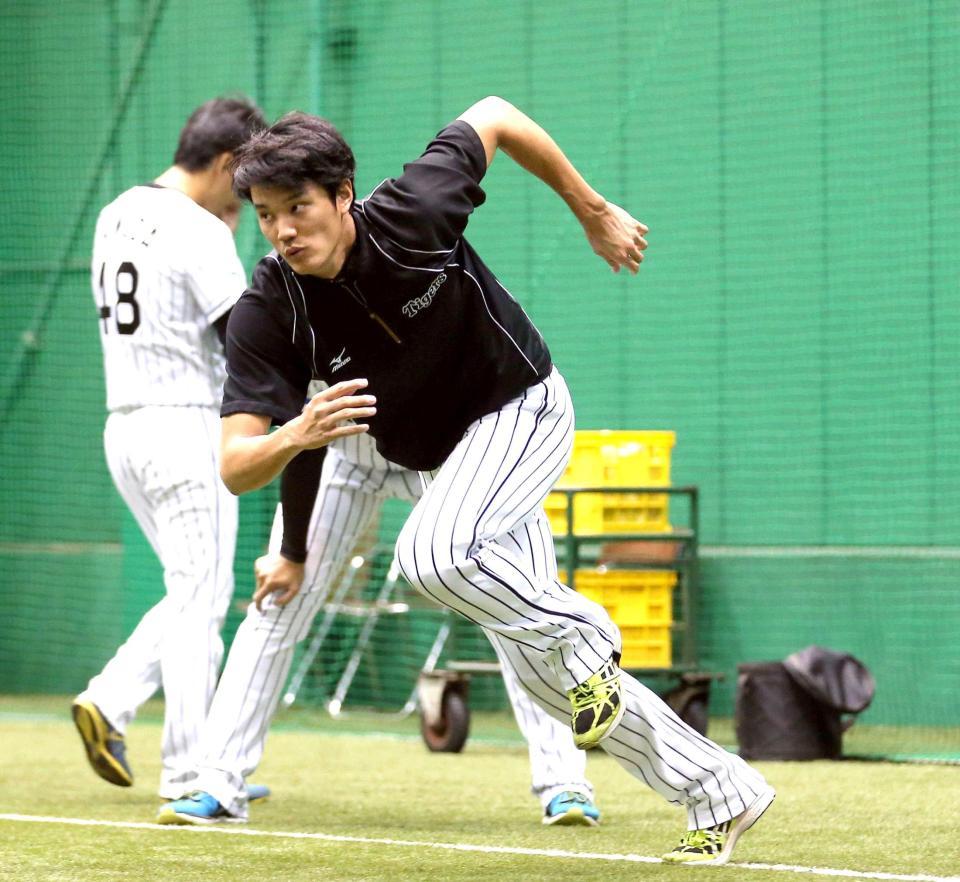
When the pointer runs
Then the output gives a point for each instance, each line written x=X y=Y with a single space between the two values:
x=218 y=126
x=297 y=149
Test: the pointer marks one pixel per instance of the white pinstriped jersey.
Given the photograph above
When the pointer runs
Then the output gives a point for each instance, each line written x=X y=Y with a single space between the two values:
x=163 y=270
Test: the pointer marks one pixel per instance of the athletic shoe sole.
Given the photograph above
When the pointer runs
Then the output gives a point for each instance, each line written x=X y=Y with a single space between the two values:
x=575 y=817
x=94 y=732
x=167 y=815
x=738 y=827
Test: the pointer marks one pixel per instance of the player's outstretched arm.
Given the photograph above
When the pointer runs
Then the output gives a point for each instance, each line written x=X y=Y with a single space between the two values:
x=613 y=234
x=251 y=458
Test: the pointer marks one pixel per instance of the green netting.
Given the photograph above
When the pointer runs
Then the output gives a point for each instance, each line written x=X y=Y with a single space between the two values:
x=796 y=322
x=375 y=635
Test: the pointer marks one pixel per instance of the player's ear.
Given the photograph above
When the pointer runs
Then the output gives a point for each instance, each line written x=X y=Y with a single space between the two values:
x=221 y=163
x=344 y=196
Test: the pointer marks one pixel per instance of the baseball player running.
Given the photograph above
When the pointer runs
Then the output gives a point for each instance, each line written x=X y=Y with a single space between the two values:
x=424 y=349
x=165 y=274
x=310 y=544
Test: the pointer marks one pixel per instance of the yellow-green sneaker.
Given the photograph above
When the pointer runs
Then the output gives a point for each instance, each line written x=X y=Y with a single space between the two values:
x=597 y=707
x=714 y=845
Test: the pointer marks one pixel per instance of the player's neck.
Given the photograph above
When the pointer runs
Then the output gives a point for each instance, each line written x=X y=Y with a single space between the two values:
x=176 y=178
x=193 y=184
x=345 y=245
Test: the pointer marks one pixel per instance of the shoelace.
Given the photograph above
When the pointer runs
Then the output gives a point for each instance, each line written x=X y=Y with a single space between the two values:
x=711 y=839
x=587 y=696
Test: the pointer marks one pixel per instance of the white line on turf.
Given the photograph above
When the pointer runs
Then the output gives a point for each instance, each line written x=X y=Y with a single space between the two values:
x=463 y=846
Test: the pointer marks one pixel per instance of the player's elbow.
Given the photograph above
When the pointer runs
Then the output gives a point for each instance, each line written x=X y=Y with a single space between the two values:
x=241 y=475
x=241 y=467
x=494 y=104
x=489 y=113
x=231 y=480
x=230 y=471
x=492 y=119
x=235 y=477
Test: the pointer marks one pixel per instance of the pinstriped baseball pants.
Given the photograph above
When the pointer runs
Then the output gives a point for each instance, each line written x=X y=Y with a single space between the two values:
x=163 y=461
x=354 y=482
x=467 y=543
x=471 y=544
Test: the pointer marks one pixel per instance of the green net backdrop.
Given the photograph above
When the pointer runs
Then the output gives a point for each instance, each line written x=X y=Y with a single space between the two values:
x=797 y=322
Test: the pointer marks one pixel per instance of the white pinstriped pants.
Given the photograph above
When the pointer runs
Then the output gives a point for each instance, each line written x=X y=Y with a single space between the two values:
x=163 y=461
x=354 y=482
x=472 y=543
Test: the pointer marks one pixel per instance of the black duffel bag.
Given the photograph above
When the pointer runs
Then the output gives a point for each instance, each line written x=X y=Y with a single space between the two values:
x=798 y=709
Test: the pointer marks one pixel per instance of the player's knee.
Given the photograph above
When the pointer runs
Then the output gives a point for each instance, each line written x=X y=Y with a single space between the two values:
x=404 y=555
x=427 y=559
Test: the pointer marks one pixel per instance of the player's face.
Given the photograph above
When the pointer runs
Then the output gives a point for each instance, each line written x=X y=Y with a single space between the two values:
x=311 y=231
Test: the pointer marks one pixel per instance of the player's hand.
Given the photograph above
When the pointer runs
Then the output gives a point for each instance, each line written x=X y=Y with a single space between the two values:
x=329 y=415
x=617 y=237
x=276 y=575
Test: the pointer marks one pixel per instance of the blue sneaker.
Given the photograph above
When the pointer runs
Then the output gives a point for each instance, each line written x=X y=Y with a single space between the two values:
x=198 y=807
x=257 y=792
x=104 y=744
x=571 y=808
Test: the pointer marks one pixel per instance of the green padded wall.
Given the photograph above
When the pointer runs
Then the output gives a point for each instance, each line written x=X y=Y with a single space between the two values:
x=796 y=321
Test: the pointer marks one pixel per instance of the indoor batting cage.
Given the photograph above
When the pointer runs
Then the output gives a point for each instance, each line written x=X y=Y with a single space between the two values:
x=795 y=324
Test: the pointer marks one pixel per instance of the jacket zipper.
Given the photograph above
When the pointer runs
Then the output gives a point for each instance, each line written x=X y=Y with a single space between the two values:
x=355 y=293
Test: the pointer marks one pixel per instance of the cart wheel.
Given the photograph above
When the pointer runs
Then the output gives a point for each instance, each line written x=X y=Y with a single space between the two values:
x=450 y=733
x=695 y=714
x=690 y=703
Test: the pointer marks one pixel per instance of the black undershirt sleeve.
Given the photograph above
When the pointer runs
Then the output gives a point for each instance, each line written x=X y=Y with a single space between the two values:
x=298 y=492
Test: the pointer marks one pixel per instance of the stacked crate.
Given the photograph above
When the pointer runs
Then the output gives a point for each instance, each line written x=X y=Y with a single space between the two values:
x=640 y=601
x=606 y=458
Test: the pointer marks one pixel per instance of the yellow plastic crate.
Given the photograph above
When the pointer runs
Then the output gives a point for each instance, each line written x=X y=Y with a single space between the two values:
x=632 y=597
x=640 y=602
x=646 y=646
x=607 y=458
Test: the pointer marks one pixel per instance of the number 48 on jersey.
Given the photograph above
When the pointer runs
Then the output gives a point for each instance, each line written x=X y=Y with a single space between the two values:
x=118 y=298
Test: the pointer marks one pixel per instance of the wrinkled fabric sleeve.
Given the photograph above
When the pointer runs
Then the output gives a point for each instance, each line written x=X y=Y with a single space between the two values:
x=428 y=206
x=266 y=374
x=213 y=272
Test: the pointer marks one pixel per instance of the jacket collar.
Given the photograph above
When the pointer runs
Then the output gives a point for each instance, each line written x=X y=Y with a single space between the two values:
x=358 y=254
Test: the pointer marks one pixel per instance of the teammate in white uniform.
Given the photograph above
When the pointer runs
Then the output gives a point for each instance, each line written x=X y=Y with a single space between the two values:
x=355 y=480
x=465 y=393
x=165 y=274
